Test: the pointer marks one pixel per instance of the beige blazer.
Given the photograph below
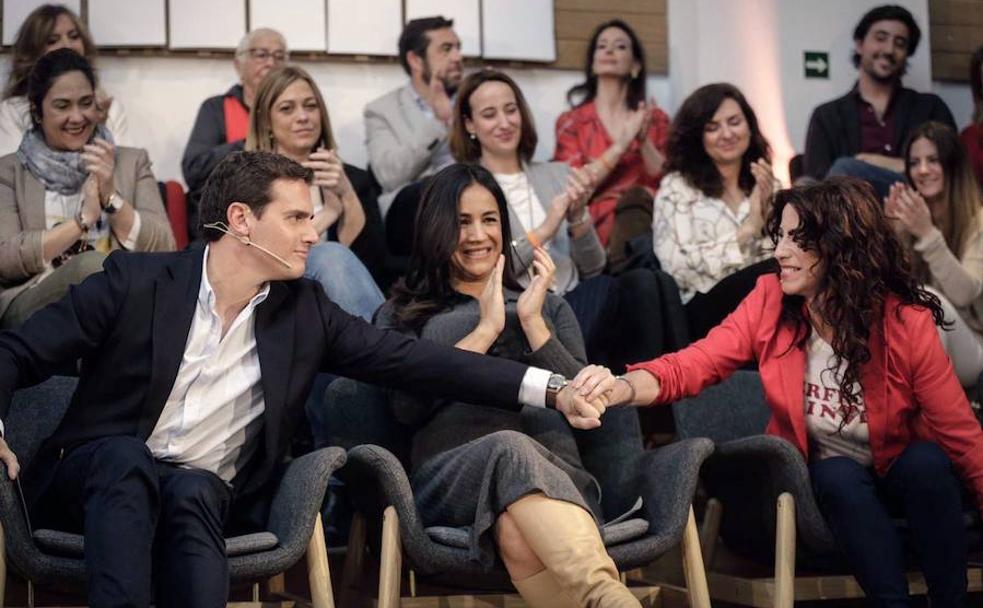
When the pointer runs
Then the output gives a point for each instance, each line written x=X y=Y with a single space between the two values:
x=401 y=140
x=22 y=219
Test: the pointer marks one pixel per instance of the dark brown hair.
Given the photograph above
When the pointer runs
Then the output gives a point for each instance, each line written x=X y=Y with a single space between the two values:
x=887 y=12
x=47 y=70
x=843 y=222
x=586 y=91
x=467 y=150
x=686 y=152
x=426 y=289
x=244 y=177
x=415 y=37
x=961 y=191
x=32 y=41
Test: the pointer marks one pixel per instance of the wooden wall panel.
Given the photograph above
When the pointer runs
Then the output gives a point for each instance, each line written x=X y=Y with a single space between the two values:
x=956 y=30
x=576 y=20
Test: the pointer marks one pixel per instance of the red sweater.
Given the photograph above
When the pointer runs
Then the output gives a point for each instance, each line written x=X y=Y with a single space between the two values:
x=909 y=388
x=972 y=138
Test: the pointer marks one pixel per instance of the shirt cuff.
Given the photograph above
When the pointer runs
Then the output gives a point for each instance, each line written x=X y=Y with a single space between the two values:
x=532 y=391
x=131 y=240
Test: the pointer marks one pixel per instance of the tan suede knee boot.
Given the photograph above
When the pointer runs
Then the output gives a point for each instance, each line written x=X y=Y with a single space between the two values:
x=542 y=591
x=565 y=538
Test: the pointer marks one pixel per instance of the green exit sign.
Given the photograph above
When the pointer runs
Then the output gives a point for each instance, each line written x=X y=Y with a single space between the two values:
x=816 y=64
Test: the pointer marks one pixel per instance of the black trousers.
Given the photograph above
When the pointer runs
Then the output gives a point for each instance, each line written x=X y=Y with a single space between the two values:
x=148 y=525
x=616 y=317
x=706 y=310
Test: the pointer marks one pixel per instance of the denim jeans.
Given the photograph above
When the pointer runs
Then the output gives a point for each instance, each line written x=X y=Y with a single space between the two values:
x=881 y=179
x=344 y=279
x=858 y=505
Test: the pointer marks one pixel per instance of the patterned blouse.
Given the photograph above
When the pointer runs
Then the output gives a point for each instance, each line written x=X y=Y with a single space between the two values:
x=696 y=236
x=581 y=138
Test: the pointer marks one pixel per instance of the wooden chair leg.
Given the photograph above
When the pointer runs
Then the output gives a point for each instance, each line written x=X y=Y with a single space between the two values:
x=318 y=574
x=354 y=560
x=785 y=552
x=710 y=531
x=391 y=566
x=693 y=570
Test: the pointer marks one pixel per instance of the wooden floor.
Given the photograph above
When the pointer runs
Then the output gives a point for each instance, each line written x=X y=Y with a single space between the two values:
x=670 y=595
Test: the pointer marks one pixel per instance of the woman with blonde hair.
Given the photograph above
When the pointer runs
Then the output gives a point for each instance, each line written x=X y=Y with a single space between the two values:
x=49 y=27
x=940 y=217
x=289 y=117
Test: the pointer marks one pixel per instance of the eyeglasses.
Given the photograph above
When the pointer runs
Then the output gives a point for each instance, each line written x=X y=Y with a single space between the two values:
x=264 y=54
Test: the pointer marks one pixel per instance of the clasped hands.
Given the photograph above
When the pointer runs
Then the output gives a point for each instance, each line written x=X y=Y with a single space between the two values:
x=584 y=400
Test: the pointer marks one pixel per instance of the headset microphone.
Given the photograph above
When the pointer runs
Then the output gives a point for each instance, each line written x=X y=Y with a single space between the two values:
x=223 y=227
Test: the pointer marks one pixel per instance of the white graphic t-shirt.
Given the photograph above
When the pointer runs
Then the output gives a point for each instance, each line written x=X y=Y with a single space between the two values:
x=825 y=411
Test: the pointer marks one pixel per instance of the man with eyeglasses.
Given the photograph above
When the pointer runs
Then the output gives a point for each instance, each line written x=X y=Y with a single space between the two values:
x=223 y=120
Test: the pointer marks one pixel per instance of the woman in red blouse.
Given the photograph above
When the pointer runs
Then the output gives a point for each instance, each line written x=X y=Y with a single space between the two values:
x=611 y=129
x=856 y=378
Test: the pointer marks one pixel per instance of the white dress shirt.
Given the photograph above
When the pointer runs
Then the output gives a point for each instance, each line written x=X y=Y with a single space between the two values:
x=215 y=410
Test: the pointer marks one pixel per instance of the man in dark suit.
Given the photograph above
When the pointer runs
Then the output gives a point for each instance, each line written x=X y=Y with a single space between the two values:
x=195 y=369
x=862 y=133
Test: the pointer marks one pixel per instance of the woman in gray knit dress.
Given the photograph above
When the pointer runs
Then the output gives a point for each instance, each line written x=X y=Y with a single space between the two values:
x=514 y=478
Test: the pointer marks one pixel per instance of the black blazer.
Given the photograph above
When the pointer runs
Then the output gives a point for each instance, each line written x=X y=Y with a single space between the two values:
x=834 y=129
x=129 y=325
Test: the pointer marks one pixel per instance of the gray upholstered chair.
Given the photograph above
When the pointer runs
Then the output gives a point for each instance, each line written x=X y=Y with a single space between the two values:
x=665 y=480
x=762 y=504
x=47 y=557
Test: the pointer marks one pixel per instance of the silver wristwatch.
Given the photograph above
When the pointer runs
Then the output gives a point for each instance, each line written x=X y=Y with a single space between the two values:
x=114 y=204
x=553 y=387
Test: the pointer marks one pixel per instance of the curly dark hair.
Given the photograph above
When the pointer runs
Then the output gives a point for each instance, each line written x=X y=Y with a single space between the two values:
x=426 y=289
x=686 y=153
x=843 y=222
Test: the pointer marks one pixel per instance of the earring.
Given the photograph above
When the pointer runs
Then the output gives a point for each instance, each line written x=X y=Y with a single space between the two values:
x=472 y=136
x=634 y=74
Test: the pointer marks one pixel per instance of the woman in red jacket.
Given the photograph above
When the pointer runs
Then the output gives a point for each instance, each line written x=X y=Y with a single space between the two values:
x=856 y=378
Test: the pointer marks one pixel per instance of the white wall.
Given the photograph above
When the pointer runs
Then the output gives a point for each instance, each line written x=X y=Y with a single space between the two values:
x=756 y=45
x=161 y=97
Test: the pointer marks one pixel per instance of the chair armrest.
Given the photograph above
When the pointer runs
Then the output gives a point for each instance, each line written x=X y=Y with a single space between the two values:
x=299 y=496
x=377 y=479
x=666 y=479
x=750 y=473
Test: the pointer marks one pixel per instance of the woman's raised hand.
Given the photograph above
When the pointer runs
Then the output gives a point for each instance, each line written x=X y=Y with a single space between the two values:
x=530 y=303
x=492 y=301
x=99 y=158
x=632 y=124
x=329 y=171
x=579 y=188
x=764 y=188
x=910 y=209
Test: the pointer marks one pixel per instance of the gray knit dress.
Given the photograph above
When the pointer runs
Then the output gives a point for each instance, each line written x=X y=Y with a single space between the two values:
x=470 y=462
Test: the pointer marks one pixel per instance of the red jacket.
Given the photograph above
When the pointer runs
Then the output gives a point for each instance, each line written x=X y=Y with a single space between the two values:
x=909 y=388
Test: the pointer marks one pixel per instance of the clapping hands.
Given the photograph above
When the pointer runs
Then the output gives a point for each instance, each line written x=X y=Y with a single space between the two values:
x=910 y=210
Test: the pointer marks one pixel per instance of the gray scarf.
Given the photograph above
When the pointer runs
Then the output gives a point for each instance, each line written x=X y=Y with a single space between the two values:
x=57 y=170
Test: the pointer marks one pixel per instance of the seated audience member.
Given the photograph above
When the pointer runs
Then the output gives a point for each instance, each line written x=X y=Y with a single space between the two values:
x=406 y=130
x=861 y=133
x=158 y=455
x=223 y=121
x=709 y=213
x=611 y=129
x=68 y=196
x=972 y=136
x=47 y=28
x=546 y=205
x=514 y=477
x=857 y=380
x=291 y=119
x=941 y=219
